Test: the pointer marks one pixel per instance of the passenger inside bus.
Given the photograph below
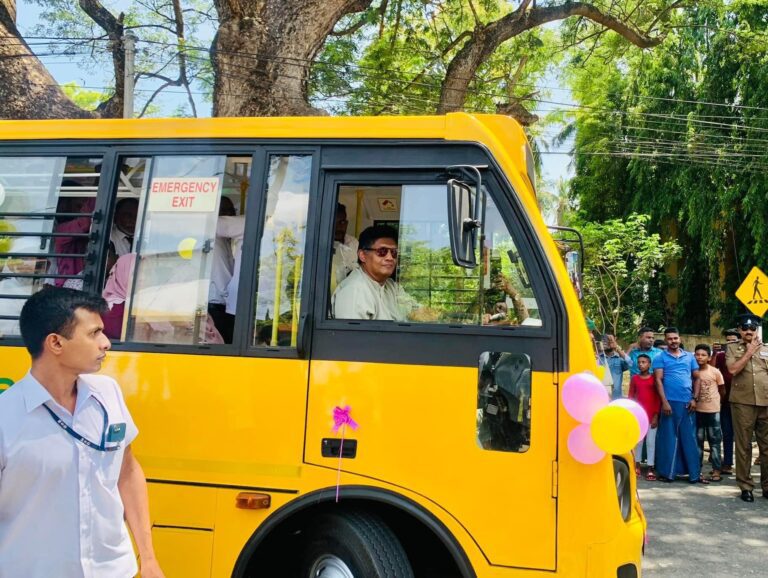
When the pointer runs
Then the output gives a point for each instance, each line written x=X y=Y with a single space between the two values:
x=72 y=245
x=222 y=269
x=344 y=248
x=231 y=229
x=116 y=291
x=124 y=226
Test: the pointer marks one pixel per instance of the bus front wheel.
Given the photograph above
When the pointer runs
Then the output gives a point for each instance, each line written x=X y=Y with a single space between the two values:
x=353 y=544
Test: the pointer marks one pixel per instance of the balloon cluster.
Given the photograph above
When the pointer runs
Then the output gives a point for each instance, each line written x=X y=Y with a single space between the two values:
x=605 y=428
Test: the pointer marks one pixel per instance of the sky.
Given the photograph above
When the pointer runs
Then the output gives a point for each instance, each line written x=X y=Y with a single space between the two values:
x=65 y=69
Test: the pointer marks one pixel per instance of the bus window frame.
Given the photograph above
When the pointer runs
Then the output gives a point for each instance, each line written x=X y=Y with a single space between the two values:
x=256 y=199
x=112 y=151
x=93 y=273
x=124 y=150
x=364 y=334
x=246 y=301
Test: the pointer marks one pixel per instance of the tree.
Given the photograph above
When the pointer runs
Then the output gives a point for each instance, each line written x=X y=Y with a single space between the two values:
x=27 y=90
x=621 y=260
x=678 y=133
x=265 y=51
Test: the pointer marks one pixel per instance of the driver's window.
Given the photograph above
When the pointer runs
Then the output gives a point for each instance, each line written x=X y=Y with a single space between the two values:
x=419 y=281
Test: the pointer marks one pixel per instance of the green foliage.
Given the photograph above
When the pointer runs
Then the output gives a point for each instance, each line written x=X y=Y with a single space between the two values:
x=679 y=133
x=84 y=98
x=395 y=62
x=622 y=259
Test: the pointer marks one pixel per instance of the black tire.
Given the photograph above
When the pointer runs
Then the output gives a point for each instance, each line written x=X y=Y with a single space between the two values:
x=361 y=540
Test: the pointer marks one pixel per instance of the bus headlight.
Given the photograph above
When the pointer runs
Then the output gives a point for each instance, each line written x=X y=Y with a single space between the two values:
x=623 y=487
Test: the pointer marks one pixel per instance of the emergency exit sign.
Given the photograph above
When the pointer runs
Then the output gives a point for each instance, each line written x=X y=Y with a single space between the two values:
x=183 y=194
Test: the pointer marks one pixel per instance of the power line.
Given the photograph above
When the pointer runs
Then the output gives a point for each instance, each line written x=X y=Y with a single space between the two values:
x=305 y=62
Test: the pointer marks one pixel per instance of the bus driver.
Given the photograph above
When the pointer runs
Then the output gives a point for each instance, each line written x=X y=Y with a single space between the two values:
x=370 y=292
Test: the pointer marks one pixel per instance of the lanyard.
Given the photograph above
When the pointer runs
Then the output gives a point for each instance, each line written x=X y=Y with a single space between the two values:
x=100 y=447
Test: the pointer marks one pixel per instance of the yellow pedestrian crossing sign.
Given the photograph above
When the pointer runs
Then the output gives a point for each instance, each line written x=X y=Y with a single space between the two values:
x=754 y=292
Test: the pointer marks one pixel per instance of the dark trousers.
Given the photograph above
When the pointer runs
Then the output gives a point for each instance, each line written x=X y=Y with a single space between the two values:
x=708 y=428
x=749 y=419
x=223 y=321
x=726 y=424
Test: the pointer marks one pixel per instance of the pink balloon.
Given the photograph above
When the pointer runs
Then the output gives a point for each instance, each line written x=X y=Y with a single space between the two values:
x=582 y=447
x=637 y=410
x=583 y=395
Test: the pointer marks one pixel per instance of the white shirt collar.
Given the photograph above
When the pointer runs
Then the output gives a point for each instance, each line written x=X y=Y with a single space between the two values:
x=36 y=395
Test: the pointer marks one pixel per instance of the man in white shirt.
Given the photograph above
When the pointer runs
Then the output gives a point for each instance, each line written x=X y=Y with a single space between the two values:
x=124 y=227
x=344 y=248
x=232 y=229
x=68 y=478
x=221 y=276
x=369 y=292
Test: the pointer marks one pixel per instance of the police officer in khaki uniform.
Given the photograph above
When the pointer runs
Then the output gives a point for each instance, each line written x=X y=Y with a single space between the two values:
x=747 y=360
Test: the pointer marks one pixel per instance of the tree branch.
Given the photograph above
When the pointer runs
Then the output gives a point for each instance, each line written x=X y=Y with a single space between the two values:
x=154 y=94
x=486 y=39
x=113 y=26
x=474 y=14
x=350 y=29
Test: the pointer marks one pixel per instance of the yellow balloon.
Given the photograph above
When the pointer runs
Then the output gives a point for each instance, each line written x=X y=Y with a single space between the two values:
x=615 y=430
x=6 y=243
x=187 y=247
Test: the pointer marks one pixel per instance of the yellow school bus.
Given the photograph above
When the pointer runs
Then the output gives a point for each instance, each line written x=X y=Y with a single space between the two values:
x=280 y=438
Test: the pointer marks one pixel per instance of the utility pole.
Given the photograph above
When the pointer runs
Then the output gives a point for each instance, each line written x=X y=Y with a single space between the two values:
x=129 y=45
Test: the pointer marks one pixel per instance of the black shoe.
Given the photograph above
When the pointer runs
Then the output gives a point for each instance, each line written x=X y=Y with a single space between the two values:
x=746 y=495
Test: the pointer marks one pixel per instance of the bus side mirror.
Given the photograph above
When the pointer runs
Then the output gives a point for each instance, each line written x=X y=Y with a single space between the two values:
x=566 y=238
x=573 y=264
x=462 y=224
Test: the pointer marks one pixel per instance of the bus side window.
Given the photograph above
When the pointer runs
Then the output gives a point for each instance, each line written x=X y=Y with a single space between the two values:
x=176 y=237
x=46 y=209
x=281 y=255
x=426 y=286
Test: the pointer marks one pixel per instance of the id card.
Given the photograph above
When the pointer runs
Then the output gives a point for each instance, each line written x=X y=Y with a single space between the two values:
x=116 y=432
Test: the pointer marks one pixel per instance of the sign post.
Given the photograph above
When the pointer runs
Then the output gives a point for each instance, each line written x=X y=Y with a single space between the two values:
x=753 y=293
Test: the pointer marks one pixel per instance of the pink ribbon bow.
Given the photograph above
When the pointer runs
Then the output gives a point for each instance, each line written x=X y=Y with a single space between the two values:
x=341 y=419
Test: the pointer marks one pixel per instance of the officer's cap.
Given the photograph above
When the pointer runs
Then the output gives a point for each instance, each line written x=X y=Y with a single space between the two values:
x=748 y=319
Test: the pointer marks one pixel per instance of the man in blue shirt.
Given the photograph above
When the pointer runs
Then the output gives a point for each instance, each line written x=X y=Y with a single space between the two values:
x=616 y=361
x=677 y=381
x=645 y=346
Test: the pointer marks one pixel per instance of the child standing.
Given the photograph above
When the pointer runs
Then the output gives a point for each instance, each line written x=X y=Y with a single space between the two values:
x=642 y=388
x=708 y=408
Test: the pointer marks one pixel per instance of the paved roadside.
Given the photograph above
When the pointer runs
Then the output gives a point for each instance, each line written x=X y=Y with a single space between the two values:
x=704 y=531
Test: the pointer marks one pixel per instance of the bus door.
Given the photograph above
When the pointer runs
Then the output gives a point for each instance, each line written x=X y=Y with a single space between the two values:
x=452 y=381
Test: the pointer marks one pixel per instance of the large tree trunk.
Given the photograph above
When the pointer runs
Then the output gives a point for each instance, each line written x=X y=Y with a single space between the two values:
x=263 y=51
x=27 y=90
x=486 y=38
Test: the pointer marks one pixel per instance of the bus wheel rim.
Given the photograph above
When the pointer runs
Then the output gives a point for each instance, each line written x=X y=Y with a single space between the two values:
x=330 y=566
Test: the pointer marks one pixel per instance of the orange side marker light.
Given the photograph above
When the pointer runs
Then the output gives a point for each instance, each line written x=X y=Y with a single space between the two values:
x=253 y=501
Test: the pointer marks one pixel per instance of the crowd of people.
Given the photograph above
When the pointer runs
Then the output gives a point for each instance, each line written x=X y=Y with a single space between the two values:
x=717 y=395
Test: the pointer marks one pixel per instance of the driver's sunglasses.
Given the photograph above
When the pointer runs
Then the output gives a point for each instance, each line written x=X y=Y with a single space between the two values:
x=748 y=327
x=382 y=251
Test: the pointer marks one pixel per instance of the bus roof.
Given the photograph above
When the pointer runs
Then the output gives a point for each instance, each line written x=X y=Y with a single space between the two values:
x=501 y=134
